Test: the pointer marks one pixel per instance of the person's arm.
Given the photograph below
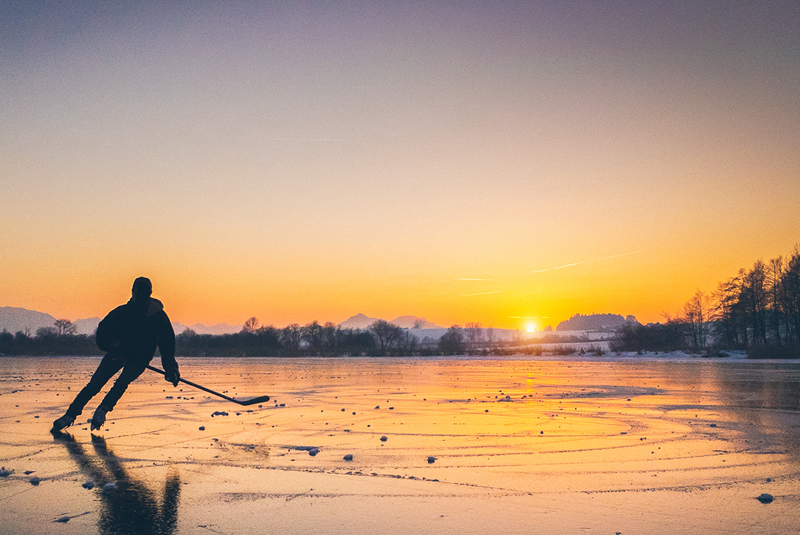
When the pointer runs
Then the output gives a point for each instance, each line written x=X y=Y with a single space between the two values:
x=166 y=344
x=107 y=335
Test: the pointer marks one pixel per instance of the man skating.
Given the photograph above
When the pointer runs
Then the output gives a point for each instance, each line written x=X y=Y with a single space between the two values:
x=129 y=335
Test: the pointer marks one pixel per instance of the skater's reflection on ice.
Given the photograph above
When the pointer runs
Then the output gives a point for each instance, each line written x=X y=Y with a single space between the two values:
x=130 y=507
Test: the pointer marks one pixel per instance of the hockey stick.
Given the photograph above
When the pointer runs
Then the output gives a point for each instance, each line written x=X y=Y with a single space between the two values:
x=254 y=401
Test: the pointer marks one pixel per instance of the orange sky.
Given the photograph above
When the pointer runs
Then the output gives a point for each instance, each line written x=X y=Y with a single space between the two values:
x=302 y=163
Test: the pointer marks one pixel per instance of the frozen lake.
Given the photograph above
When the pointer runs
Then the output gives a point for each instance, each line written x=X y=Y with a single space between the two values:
x=472 y=447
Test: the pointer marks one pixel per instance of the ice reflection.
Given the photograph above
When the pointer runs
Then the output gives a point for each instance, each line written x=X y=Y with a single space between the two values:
x=132 y=507
x=766 y=398
x=765 y=386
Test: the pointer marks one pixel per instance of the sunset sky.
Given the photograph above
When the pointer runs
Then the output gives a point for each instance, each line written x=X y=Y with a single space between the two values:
x=506 y=163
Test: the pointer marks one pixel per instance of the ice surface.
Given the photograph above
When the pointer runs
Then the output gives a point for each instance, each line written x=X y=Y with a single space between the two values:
x=636 y=445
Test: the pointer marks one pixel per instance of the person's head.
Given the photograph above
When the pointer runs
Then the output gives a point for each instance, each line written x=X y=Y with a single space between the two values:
x=142 y=288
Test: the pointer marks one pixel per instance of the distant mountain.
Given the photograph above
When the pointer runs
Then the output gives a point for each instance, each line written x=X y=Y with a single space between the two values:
x=13 y=319
x=179 y=327
x=595 y=322
x=413 y=322
x=199 y=328
x=361 y=321
x=87 y=326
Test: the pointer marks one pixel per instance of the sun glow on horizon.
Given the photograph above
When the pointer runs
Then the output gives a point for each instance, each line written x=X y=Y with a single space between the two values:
x=295 y=164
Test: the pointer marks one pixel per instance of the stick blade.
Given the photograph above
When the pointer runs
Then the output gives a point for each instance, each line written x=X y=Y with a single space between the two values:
x=254 y=401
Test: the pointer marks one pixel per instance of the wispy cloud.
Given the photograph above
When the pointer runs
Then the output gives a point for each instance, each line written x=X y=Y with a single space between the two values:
x=309 y=139
x=484 y=293
x=479 y=279
x=588 y=261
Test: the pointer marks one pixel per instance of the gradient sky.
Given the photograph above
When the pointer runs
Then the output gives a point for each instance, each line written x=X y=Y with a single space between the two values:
x=452 y=160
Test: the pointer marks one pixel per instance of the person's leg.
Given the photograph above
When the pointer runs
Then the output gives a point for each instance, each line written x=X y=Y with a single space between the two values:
x=130 y=372
x=110 y=365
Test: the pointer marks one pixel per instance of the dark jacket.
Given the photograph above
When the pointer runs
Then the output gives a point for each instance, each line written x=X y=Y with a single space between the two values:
x=133 y=330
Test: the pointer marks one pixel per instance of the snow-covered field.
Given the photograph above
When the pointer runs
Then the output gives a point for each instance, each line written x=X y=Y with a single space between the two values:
x=613 y=444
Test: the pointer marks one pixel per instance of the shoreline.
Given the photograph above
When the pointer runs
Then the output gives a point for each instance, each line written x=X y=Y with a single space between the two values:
x=629 y=356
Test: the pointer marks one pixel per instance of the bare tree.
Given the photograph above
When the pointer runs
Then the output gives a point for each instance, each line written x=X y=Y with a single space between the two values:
x=329 y=338
x=387 y=334
x=754 y=294
x=790 y=297
x=250 y=326
x=696 y=314
x=44 y=332
x=64 y=327
x=774 y=298
x=407 y=343
x=314 y=334
x=474 y=332
x=452 y=341
x=490 y=337
x=726 y=312
x=290 y=337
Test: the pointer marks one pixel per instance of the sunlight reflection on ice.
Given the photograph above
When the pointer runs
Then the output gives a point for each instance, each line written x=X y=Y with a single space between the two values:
x=569 y=444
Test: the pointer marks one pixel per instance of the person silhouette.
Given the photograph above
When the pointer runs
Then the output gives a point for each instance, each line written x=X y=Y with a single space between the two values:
x=130 y=507
x=129 y=335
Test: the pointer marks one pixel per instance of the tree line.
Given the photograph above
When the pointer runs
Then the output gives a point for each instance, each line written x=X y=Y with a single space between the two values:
x=382 y=338
x=60 y=339
x=313 y=339
x=757 y=310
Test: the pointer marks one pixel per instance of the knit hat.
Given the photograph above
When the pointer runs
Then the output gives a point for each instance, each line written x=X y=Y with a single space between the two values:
x=144 y=285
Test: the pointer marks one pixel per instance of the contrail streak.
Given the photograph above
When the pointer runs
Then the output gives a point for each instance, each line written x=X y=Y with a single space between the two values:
x=588 y=261
x=301 y=139
x=484 y=293
x=469 y=279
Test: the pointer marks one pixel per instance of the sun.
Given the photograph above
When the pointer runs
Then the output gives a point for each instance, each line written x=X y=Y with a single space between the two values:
x=530 y=328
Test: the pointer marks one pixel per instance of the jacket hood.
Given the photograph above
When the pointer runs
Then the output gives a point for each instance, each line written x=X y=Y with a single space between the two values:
x=154 y=306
